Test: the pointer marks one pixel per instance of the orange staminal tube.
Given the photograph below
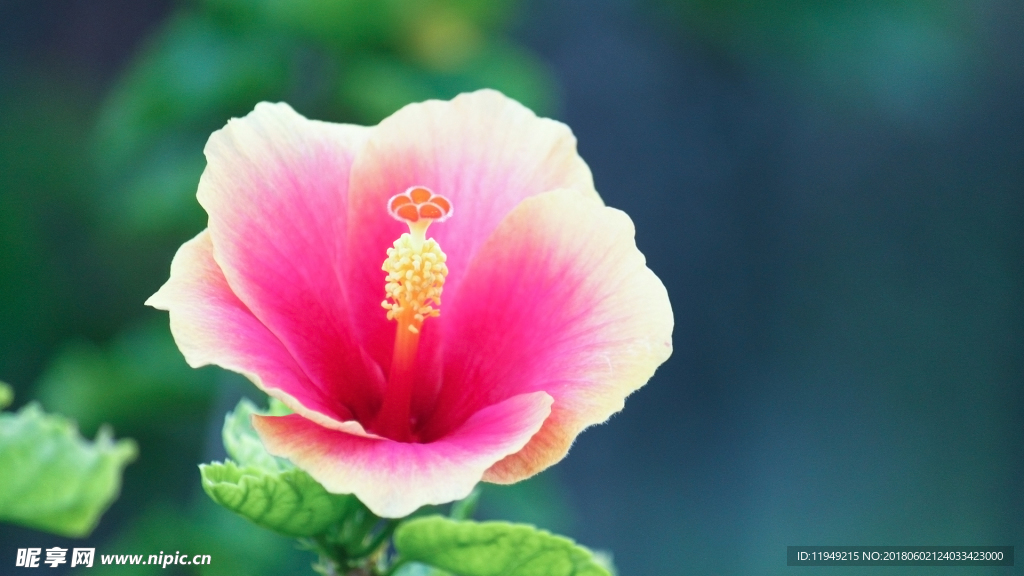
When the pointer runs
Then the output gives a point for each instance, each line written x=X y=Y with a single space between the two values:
x=416 y=273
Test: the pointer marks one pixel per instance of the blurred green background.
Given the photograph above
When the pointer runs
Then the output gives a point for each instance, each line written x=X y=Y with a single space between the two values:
x=833 y=192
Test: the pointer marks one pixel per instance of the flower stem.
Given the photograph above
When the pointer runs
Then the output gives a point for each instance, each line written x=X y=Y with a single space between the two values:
x=377 y=541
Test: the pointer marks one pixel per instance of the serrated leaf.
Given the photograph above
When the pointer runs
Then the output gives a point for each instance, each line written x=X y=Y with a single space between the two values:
x=288 y=501
x=53 y=479
x=492 y=549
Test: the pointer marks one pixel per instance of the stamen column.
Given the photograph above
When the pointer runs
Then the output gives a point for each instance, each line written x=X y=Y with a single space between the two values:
x=416 y=273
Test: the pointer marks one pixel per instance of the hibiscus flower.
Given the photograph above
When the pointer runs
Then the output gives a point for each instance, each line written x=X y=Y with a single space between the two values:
x=550 y=317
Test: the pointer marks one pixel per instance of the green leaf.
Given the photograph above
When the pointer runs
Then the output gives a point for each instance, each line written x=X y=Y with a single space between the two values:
x=242 y=443
x=53 y=479
x=6 y=395
x=492 y=549
x=267 y=490
x=289 y=501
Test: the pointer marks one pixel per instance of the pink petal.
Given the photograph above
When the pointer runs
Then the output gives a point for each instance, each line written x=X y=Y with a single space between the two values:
x=212 y=326
x=485 y=153
x=558 y=299
x=275 y=188
x=392 y=478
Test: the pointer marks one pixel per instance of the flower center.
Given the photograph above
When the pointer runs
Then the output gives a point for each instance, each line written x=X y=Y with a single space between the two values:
x=416 y=272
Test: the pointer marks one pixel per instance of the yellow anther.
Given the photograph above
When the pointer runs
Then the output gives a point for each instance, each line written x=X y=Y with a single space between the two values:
x=416 y=272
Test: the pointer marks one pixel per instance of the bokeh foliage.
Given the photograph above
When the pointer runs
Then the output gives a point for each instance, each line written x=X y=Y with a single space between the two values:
x=351 y=60
x=892 y=54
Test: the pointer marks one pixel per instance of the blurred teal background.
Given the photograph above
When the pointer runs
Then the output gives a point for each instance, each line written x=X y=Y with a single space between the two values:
x=833 y=193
